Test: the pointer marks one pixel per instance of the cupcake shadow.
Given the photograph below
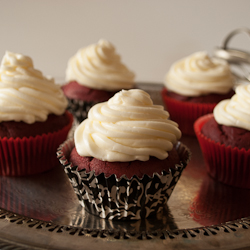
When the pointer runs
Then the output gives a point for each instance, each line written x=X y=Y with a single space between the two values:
x=218 y=203
x=46 y=197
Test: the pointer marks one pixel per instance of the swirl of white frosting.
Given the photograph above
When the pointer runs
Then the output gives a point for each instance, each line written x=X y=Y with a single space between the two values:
x=128 y=127
x=98 y=66
x=199 y=74
x=25 y=94
x=235 y=112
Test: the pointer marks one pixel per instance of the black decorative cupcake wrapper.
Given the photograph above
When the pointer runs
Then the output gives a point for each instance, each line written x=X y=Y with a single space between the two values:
x=79 y=108
x=161 y=221
x=122 y=198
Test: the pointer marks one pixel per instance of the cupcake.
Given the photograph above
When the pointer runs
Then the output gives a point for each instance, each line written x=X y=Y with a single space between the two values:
x=125 y=159
x=33 y=118
x=224 y=138
x=193 y=86
x=94 y=74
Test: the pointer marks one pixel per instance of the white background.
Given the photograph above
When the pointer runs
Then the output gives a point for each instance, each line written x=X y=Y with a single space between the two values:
x=148 y=34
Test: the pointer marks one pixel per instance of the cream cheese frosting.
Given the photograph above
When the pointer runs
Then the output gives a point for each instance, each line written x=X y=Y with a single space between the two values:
x=199 y=74
x=98 y=66
x=235 y=111
x=127 y=127
x=25 y=94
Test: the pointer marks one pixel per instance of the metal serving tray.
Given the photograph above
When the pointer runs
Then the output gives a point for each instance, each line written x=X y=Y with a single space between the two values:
x=42 y=212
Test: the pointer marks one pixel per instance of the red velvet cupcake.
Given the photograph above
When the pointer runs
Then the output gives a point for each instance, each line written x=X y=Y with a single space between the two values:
x=94 y=75
x=33 y=120
x=224 y=139
x=193 y=86
x=128 y=143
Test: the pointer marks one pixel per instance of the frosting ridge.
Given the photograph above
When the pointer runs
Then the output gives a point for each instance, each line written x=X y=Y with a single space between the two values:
x=128 y=127
x=235 y=111
x=98 y=66
x=199 y=74
x=25 y=94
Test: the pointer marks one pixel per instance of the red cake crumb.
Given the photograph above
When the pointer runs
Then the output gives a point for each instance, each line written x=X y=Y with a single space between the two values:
x=21 y=129
x=138 y=168
x=230 y=136
x=73 y=90
x=210 y=98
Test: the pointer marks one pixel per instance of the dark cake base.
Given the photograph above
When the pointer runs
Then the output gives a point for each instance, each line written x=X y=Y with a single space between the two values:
x=21 y=129
x=230 y=136
x=73 y=90
x=138 y=168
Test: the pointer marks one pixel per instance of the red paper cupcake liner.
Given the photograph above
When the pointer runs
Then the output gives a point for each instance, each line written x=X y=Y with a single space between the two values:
x=224 y=163
x=185 y=113
x=33 y=155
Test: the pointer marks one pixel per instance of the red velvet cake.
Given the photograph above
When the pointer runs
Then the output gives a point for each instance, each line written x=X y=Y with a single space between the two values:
x=138 y=168
x=227 y=135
